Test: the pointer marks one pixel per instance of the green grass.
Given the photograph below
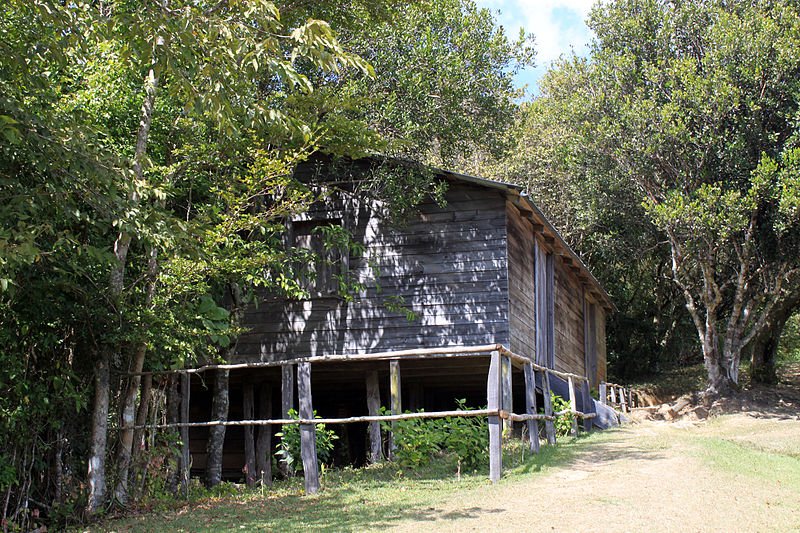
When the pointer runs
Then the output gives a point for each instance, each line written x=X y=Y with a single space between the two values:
x=351 y=499
x=741 y=458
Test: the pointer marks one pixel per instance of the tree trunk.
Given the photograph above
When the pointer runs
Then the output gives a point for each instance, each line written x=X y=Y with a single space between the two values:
x=139 y=435
x=97 y=461
x=173 y=415
x=129 y=401
x=216 y=434
x=97 y=468
x=764 y=346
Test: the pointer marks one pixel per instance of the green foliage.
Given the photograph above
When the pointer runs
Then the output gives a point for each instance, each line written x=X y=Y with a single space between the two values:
x=563 y=422
x=419 y=441
x=789 y=347
x=288 y=451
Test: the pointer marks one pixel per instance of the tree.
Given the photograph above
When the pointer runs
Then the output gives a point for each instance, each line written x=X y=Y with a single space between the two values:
x=696 y=104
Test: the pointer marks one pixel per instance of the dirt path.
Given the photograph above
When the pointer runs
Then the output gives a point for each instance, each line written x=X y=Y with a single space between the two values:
x=733 y=473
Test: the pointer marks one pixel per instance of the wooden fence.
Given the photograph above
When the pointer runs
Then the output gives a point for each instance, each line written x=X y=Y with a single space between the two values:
x=499 y=411
x=617 y=396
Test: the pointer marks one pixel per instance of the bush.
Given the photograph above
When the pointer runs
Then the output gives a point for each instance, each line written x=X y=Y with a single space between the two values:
x=563 y=422
x=288 y=450
x=418 y=441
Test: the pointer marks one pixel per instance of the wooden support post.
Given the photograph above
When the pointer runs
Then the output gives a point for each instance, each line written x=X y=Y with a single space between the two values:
x=587 y=403
x=549 y=425
x=308 y=437
x=373 y=407
x=264 y=439
x=248 y=413
x=573 y=406
x=630 y=398
x=507 y=398
x=395 y=388
x=287 y=403
x=530 y=406
x=613 y=394
x=603 y=393
x=622 y=404
x=494 y=391
x=185 y=460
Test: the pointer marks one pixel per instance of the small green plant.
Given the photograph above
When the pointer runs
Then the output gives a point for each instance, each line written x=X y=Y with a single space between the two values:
x=288 y=449
x=419 y=440
x=563 y=422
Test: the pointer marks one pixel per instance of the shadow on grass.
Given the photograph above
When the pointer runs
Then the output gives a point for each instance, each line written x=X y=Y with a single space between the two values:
x=380 y=496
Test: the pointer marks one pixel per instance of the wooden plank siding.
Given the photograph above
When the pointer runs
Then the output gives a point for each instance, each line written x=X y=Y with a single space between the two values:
x=569 y=326
x=448 y=265
x=521 y=278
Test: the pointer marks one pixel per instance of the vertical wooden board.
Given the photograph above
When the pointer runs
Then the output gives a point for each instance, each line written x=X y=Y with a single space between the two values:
x=493 y=398
x=373 y=407
x=541 y=304
x=587 y=405
x=308 y=437
x=248 y=413
x=185 y=458
x=507 y=396
x=287 y=403
x=395 y=390
x=264 y=440
x=551 y=356
x=603 y=393
x=530 y=406
x=573 y=406
x=601 y=344
x=549 y=425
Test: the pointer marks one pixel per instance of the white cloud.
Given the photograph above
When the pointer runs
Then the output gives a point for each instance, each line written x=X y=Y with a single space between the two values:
x=558 y=25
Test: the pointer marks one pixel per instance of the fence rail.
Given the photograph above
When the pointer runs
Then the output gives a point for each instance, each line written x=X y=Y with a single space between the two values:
x=499 y=411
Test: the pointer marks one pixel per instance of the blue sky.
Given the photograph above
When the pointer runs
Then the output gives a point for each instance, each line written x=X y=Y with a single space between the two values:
x=558 y=26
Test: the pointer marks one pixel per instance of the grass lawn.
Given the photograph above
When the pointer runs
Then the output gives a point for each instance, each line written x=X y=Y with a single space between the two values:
x=351 y=499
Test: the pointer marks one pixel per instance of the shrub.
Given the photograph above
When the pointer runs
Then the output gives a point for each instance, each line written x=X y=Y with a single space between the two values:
x=288 y=449
x=418 y=440
x=563 y=422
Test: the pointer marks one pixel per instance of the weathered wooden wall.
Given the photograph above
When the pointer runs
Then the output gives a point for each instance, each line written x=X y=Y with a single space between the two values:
x=569 y=326
x=521 y=284
x=447 y=265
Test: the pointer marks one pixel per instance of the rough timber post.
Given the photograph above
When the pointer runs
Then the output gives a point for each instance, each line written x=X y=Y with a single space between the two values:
x=603 y=393
x=549 y=425
x=587 y=402
x=507 y=398
x=308 y=437
x=185 y=461
x=573 y=406
x=494 y=392
x=264 y=439
x=622 y=405
x=248 y=413
x=287 y=403
x=613 y=394
x=396 y=400
x=373 y=406
x=530 y=406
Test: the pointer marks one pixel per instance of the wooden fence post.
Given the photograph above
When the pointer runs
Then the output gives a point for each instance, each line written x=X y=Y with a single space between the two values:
x=287 y=403
x=264 y=439
x=308 y=436
x=248 y=413
x=185 y=460
x=622 y=404
x=373 y=406
x=494 y=392
x=395 y=387
x=613 y=394
x=603 y=393
x=530 y=406
x=587 y=403
x=573 y=406
x=549 y=425
x=507 y=398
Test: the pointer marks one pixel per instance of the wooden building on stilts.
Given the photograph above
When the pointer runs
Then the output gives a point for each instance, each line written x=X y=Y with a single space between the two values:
x=444 y=296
